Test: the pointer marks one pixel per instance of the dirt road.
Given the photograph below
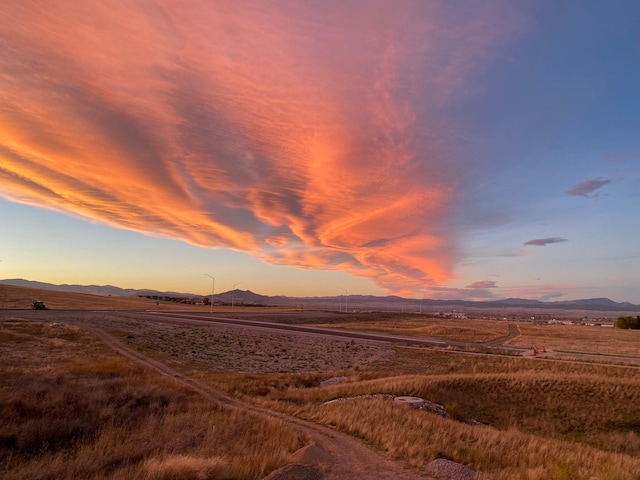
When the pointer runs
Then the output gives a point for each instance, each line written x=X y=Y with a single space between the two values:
x=350 y=457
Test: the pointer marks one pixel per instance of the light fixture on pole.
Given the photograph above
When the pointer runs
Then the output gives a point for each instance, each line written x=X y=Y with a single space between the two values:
x=346 y=299
x=233 y=294
x=213 y=289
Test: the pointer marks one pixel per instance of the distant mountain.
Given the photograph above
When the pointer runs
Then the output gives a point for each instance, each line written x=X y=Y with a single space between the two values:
x=596 y=301
x=103 y=290
x=359 y=302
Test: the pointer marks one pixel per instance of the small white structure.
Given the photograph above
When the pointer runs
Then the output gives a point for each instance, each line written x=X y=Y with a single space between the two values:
x=415 y=402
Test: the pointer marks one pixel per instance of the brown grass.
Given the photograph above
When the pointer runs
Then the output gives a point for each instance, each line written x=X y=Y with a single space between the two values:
x=179 y=467
x=427 y=326
x=578 y=338
x=421 y=437
x=71 y=409
x=22 y=297
x=12 y=297
x=542 y=419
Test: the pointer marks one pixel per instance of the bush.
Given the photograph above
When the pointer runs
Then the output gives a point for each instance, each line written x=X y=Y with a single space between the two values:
x=628 y=322
x=455 y=411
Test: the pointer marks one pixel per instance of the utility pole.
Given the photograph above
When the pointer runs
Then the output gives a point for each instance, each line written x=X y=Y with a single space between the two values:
x=213 y=290
x=346 y=299
x=233 y=294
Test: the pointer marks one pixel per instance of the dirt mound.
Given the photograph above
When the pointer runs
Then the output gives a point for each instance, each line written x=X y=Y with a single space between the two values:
x=442 y=469
x=295 y=471
x=311 y=455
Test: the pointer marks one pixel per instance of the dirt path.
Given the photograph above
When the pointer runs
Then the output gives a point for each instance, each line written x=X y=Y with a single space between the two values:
x=351 y=458
x=513 y=332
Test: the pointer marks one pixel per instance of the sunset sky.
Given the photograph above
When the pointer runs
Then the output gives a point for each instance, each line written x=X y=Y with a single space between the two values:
x=429 y=149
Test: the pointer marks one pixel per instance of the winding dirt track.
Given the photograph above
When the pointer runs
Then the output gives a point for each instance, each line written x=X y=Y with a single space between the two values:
x=351 y=458
x=513 y=332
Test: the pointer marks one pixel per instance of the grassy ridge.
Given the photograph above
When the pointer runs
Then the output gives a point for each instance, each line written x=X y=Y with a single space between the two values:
x=12 y=297
x=541 y=420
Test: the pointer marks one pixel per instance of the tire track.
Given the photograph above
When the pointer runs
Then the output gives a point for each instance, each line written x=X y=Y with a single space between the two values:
x=351 y=458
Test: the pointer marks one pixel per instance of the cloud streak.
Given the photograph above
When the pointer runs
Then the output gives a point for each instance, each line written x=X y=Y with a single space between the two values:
x=541 y=242
x=304 y=135
x=587 y=187
x=483 y=284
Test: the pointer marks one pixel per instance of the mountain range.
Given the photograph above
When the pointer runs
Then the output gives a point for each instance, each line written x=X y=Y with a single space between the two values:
x=359 y=302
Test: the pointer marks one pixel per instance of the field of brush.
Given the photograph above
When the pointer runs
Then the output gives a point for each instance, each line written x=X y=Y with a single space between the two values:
x=71 y=408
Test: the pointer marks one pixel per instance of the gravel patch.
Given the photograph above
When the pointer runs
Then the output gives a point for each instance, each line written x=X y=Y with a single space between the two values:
x=443 y=469
x=240 y=349
x=295 y=472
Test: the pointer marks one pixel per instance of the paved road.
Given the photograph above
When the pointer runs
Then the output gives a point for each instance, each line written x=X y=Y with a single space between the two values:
x=486 y=347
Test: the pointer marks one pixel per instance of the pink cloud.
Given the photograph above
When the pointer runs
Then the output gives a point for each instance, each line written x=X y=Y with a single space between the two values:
x=302 y=134
x=539 y=292
x=483 y=284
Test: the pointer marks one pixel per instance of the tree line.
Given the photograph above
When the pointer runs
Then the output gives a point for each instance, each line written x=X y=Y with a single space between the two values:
x=628 y=322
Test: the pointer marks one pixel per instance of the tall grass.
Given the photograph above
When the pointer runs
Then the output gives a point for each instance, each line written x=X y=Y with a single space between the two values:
x=71 y=409
x=420 y=437
x=611 y=341
x=542 y=420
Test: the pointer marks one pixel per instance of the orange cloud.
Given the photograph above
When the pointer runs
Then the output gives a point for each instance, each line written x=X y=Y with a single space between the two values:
x=306 y=135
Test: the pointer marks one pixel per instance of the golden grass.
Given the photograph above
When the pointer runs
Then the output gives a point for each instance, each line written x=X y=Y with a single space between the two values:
x=542 y=420
x=565 y=338
x=426 y=326
x=12 y=297
x=578 y=338
x=185 y=467
x=22 y=297
x=421 y=437
x=72 y=409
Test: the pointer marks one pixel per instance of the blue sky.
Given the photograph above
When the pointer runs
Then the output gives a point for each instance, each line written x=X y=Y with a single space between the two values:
x=471 y=150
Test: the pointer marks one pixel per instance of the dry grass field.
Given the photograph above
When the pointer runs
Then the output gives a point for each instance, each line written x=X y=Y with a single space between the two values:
x=71 y=408
x=571 y=338
x=426 y=326
x=559 y=338
x=21 y=297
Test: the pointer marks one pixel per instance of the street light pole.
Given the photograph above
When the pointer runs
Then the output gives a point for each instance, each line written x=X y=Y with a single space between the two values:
x=213 y=290
x=233 y=294
x=346 y=299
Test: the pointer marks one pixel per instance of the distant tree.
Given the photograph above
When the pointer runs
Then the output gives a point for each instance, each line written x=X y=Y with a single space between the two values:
x=628 y=322
x=205 y=300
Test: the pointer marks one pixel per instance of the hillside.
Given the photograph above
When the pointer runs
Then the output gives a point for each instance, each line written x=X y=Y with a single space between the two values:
x=12 y=297
x=354 y=302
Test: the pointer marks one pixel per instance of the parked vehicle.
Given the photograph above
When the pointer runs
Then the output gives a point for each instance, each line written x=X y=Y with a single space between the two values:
x=39 y=305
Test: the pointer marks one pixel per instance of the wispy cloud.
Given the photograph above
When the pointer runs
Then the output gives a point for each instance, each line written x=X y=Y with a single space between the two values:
x=483 y=284
x=587 y=187
x=541 y=242
x=543 y=293
x=303 y=134
x=451 y=293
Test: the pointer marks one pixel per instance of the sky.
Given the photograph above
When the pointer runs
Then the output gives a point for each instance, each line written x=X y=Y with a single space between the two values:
x=430 y=149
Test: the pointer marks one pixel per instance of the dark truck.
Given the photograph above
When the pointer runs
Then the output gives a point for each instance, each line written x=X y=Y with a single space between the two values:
x=39 y=305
